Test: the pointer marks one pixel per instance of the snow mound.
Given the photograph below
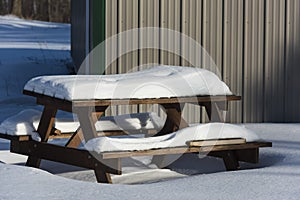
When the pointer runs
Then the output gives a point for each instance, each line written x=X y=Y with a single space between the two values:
x=27 y=121
x=24 y=123
x=156 y=82
x=176 y=139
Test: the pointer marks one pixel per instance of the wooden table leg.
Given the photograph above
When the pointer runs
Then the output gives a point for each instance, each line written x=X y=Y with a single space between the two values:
x=77 y=137
x=214 y=112
x=173 y=123
x=87 y=118
x=230 y=160
x=44 y=130
x=174 y=119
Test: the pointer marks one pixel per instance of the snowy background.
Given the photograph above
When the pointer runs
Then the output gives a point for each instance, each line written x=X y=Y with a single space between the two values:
x=30 y=48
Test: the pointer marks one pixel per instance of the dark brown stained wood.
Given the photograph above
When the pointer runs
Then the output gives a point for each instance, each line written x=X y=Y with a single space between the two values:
x=41 y=99
x=55 y=132
x=213 y=112
x=155 y=101
x=75 y=139
x=248 y=155
x=199 y=143
x=71 y=156
x=102 y=176
x=46 y=123
x=89 y=111
x=87 y=118
x=181 y=150
x=44 y=129
x=17 y=138
x=174 y=120
x=230 y=160
x=67 y=105
x=78 y=136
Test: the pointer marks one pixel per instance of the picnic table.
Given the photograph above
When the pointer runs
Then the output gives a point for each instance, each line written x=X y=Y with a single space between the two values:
x=89 y=111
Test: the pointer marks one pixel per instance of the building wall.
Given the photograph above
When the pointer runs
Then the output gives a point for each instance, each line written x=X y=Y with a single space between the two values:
x=254 y=43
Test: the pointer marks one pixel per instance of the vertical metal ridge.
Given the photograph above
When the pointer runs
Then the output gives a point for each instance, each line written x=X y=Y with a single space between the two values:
x=258 y=60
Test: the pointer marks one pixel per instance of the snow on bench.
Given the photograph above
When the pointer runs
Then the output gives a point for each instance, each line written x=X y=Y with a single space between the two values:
x=26 y=122
x=177 y=139
x=156 y=82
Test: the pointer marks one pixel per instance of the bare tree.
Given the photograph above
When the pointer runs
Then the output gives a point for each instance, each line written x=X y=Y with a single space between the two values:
x=5 y=7
x=17 y=8
x=45 y=10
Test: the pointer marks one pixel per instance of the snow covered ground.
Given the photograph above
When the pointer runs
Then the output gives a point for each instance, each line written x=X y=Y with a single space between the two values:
x=29 y=48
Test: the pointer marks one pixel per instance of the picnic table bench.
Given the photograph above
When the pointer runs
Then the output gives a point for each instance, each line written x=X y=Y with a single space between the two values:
x=89 y=111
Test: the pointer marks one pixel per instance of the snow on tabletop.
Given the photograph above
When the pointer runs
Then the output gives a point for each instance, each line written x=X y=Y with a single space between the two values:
x=176 y=139
x=156 y=82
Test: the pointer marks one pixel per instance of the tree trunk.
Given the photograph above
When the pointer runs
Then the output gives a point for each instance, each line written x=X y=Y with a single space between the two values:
x=59 y=10
x=41 y=10
x=17 y=8
x=4 y=7
x=27 y=8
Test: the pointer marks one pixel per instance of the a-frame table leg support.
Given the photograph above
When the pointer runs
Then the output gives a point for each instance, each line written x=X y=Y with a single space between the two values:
x=44 y=130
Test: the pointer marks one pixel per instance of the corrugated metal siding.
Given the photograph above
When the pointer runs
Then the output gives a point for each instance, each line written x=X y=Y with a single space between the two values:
x=274 y=60
x=292 y=69
x=191 y=27
x=233 y=53
x=253 y=94
x=254 y=43
x=149 y=16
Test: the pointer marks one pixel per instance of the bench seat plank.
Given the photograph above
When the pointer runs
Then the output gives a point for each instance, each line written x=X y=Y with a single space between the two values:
x=182 y=150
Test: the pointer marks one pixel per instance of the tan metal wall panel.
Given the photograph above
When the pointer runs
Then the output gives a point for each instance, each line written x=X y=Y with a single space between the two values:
x=212 y=33
x=149 y=18
x=292 y=95
x=212 y=40
x=169 y=19
x=127 y=59
x=233 y=54
x=191 y=28
x=274 y=61
x=112 y=45
x=254 y=61
x=254 y=43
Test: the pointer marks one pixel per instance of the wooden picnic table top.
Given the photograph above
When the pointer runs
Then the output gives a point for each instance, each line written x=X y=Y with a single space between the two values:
x=43 y=99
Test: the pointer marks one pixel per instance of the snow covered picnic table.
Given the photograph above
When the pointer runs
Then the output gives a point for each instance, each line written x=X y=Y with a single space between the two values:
x=169 y=86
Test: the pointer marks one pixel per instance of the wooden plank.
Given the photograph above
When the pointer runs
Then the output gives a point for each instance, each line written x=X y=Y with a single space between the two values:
x=71 y=156
x=17 y=138
x=248 y=155
x=102 y=176
x=109 y=102
x=75 y=139
x=44 y=129
x=230 y=160
x=174 y=120
x=69 y=106
x=87 y=119
x=46 y=123
x=199 y=143
x=181 y=150
x=60 y=104
x=213 y=112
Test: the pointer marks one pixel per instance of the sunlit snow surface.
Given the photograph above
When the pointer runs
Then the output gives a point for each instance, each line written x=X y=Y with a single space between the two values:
x=38 y=48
